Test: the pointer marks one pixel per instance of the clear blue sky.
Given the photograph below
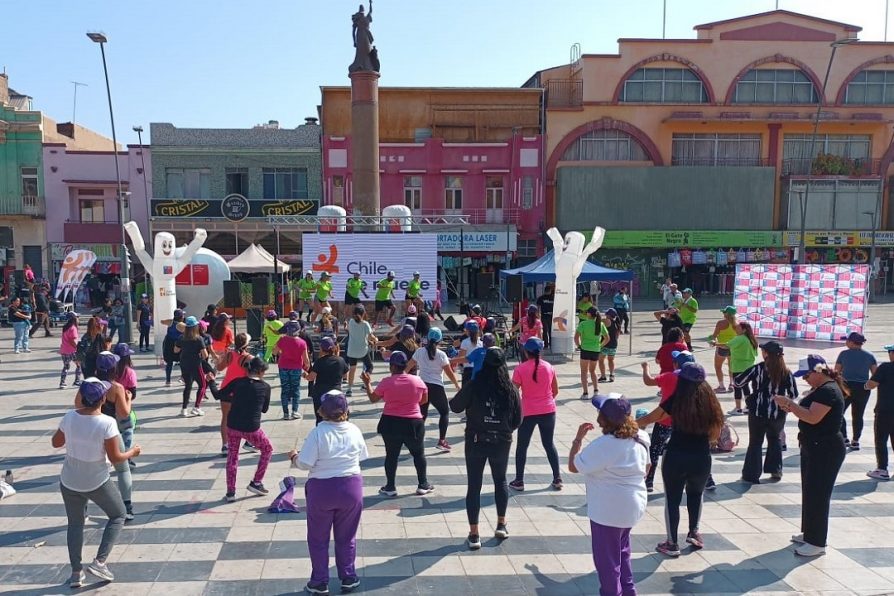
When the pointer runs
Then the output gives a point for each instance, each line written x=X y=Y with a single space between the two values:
x=235 y=63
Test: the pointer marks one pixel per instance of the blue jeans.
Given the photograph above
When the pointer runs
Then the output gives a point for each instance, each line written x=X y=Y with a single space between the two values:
x=290 y=379
x=21 y=329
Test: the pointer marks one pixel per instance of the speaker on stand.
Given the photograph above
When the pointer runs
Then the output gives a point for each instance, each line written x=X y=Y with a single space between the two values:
x=514 y=288
x=260 y=292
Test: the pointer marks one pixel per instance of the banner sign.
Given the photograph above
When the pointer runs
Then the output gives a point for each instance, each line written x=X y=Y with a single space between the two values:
x=820 y=302
x=477 y=242
x=74 y=269
x=103 y=252
x=689 y=238
x=212 y=208
x=373 y=256
x=823 y=239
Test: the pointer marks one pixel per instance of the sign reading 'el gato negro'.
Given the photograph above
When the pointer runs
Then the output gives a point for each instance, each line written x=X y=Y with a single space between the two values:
x=214 y=208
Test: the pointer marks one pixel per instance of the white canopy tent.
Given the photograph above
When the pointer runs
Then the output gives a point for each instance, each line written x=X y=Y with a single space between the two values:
x=255 y=259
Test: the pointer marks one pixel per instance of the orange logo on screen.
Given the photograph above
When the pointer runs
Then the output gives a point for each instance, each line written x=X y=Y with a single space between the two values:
x=327 y=263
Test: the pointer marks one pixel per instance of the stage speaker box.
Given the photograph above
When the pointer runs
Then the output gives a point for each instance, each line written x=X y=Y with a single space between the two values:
x=514 y=288
x=483 y=285
x=450 y=324
x=232 y=294
x=254 y=322
x=260 y=292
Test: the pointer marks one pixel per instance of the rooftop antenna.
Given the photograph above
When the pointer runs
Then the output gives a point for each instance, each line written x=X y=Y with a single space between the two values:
x=74 y=111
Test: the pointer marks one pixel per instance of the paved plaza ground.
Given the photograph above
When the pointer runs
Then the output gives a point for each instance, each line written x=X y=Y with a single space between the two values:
x=186 y=540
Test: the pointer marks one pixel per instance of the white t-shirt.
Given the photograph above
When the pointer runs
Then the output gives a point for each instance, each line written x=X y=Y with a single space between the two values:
x=85 y=467
x=614 y=471
x=357 y=334
x=332 y=450
x=467 y=345
x=431 y=371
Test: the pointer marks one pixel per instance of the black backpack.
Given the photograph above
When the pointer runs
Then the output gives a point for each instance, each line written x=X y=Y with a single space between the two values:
x=83 y=347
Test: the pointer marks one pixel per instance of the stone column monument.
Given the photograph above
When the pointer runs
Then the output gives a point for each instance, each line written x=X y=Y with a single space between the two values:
x=364 y=74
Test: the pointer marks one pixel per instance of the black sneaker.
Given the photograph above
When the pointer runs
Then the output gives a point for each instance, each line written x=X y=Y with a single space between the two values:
x=230 y=497
x=257 y=488
x=474 y=541
x=349 y=583
x=855 y=446
x=501 y=532
x=320 y=588
x=424 y=489
x=711 y=485
x=649 y=487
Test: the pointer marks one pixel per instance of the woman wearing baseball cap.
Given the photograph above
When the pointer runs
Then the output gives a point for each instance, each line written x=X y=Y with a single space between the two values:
x=697 y=421
x=432 y=363
x=467 y=345
x=613 y=466
x=191 y=348
x=529 y=326
x=725 y=329
x=90 y=439
x=765 y=419
x=820 y=414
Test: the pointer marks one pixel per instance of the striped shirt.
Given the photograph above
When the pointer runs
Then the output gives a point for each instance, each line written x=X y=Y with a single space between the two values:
x=764 y=406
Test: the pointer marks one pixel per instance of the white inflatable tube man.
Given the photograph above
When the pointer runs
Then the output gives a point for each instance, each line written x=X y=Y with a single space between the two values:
x=164 y=268
x=570 y=255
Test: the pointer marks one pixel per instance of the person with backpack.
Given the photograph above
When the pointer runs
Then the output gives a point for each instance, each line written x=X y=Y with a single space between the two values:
x=68 y=349
x=697 y=422
x=493 y=409
x=765 y=419
x=432 y=363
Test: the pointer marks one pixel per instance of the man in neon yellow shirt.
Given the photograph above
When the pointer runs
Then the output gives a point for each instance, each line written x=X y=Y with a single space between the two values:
x=306 y=288
x=384 y=295
x=353 y=288
x=688 y=307
x=414 y=292
x=321 y=298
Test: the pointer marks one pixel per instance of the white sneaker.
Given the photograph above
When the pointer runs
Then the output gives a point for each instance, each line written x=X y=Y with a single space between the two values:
x=184 y=413
x=809 y=550
x=798 y=538
x=197 y=412
x=879 y=474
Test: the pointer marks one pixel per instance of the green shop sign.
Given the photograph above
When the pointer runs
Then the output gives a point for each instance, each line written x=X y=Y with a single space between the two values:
x=688 y=238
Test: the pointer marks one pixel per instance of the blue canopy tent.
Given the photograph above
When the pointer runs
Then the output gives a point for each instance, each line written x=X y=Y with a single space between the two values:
x=544 y=269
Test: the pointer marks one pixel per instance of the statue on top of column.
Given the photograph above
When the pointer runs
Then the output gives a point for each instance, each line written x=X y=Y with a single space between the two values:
x=366 y=57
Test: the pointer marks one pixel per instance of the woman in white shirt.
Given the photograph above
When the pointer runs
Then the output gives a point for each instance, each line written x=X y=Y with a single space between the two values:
x=332 y=453
x=432 y=363
x=614 y=468
x=89 y=438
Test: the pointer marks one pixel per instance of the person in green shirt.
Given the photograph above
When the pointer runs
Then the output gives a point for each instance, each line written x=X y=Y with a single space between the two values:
x=306 y=288
x=321 y=297
x=743 y=353
x=271 y=333
x=590 y=336
x=353 y=288
x=583 y=305
x=414 y=293
x=384 y=295
x=725 y=329
x=688 y=307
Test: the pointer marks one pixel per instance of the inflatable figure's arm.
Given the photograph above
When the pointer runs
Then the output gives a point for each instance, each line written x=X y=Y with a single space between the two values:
x=595 y=242
x=139 y=247
x=198 y=240
x=558 y=243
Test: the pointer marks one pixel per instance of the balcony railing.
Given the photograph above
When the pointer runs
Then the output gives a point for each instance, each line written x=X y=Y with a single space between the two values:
x=564 y=93
x=831 y=165
x=720 y=161
x=475 y=216
x=23 y=205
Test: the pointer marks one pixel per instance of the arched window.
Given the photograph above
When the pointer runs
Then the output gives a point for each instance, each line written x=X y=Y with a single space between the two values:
x=775 y=86
x=605 y=145
x=664 y=85
x=871 y=87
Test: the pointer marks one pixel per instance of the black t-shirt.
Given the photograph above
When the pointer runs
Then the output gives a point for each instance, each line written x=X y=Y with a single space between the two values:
x=12 y=314
x=614 y=330
x=830 y=395
x=248 y=398
x=668 y=323
x=145 y=313
x=884 y=397
x=189 y=351
x=330 y=369
x=41 y=304
x=684 y=441
x=545 y=303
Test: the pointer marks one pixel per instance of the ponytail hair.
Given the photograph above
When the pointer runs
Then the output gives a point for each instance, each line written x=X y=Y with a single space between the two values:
x=536 y=357
x=431 y=349
x=839 y=380
x=240 y=342
x=474 y=335
x=748 y=332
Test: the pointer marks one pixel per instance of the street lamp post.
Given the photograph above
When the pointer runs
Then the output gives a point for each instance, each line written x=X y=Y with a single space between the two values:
x=139 y=130
x=872 y=271
x=810 y=155
x=126 y=333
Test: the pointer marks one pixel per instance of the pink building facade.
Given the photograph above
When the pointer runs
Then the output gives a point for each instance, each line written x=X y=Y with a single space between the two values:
x=82 y=211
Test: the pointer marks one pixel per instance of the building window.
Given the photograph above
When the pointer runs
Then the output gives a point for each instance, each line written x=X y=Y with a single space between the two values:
x=834 y=204
x=606 y=145
x=775 y=86
x=92 y=210
x=413 y=192
x=664 y=85
x=338 y=190
x=285 y=183
x=871 y=87
x=237 y=181
x=527 y=198
x=188 y=183
x=493 y=192
x=716 y=150
x=453 y=193
x=527 y=248
x=29 y=182
x=796 y=158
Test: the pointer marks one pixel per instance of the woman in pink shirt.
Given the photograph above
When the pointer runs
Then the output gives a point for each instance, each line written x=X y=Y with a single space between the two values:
x=529 y=327
x=69 y=348
x=401 y=422
x=539 y=387
x=293 y=361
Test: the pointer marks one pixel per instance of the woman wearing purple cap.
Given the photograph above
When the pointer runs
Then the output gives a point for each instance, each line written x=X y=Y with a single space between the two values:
x=697 y=421
x=614 y=467
x=325 y=373
x=856 y=365
x=332 y=453
x=89 y=439
x=820 y=414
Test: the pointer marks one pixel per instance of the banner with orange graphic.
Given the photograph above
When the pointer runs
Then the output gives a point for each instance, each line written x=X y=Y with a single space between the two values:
x=75 y=267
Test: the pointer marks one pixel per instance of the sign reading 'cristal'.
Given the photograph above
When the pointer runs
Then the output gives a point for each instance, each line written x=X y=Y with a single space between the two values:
x=231 y=208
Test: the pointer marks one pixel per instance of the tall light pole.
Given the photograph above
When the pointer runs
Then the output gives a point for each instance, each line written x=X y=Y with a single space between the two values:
x=127 y=331
x=810 y=155
x=872 y=270
x=139 y=130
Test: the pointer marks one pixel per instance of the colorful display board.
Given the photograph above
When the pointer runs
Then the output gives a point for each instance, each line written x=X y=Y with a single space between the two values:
x=819 y=302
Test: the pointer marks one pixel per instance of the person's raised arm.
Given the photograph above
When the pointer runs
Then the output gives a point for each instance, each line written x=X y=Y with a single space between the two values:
x=648 y=379
x=582 y=431
x=114 y=453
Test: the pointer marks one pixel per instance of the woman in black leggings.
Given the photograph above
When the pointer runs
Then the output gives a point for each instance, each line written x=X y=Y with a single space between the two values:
x=493 y=409
x=432 y=364
x=697 y=420
x=192 y=350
